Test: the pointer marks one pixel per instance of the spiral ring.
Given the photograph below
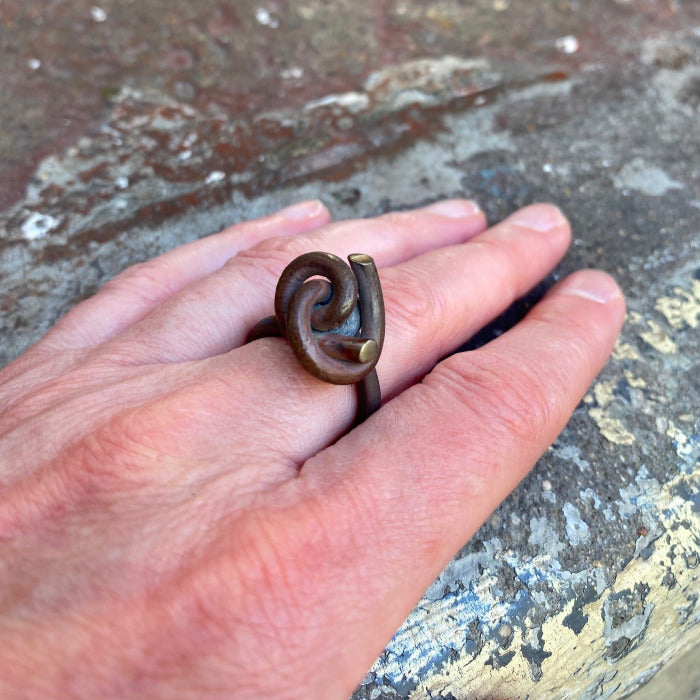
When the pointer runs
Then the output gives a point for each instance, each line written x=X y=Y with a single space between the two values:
x=334 y=325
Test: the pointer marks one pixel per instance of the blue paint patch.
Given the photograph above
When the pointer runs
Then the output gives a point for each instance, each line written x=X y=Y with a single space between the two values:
x=435 y=632
x=439 y=631
x=520 y=606
x=496 y=189
x=689 y=451
x=689 y=492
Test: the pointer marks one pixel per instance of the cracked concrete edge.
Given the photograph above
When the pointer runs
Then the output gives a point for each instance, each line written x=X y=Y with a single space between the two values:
x=468 y=639
x=581 y=663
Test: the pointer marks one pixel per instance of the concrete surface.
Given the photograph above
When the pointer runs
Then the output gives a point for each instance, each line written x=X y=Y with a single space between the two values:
x=680 y=679
x=131 y=127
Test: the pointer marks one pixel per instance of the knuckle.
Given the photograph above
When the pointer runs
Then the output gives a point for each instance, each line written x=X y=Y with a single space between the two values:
x=281 y=248
x=268 y=258
x=507 y=401
x=113 y=456
x=412 y=302
x=144 y=280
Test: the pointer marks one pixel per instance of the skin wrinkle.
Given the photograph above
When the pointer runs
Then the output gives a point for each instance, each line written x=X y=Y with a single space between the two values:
x=33 y=374
x=105 y=403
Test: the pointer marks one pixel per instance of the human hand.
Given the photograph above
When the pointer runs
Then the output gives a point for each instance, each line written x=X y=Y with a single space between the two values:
x=177 y=515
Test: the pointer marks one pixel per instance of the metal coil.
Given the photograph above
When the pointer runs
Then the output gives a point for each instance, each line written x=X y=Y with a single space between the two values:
x=333 y=317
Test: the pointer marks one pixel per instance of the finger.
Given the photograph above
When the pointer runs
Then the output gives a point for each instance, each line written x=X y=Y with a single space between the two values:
x=214 y=315
x=413 y=483
x=140 y=289
x=434 y=303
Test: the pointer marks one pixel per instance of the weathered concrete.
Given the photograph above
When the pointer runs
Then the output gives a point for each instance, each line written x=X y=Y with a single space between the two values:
x=585 y=582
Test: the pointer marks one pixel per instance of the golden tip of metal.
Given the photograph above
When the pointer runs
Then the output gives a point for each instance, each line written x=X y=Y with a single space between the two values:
x=360 y=258
x=368 y=351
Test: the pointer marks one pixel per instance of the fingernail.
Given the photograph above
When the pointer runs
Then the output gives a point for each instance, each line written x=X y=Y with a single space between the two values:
x=592 y=285
x=541 y=217
x=454 y=208
x=303 y=210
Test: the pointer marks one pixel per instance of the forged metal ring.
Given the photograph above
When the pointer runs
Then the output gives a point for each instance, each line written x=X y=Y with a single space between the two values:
x=334 y=325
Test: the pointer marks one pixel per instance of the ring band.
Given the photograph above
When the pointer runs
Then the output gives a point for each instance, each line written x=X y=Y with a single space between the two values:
x=334 y=325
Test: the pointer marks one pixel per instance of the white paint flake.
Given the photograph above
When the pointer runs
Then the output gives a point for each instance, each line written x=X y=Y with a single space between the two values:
x=567 y=44
x=645 y=178
x=292 y=73
x=215 y=176
x=98 y=14
x=576 y=529
x=351 y=101
x=37 y=225
x=266 y=19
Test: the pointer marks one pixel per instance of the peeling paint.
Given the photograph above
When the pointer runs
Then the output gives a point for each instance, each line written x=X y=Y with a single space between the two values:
x=640 y=495
x=423 y=73
x=618 y=617
x=634 y=382
x=611 y=428
x=353 y=102
x=576 y=529
x=686 y=447
x=37 y=225
x=604 y=392
x=624 y=351
x=658 y=339
x=644 y=177
x=625 y=616
x=682 y=309
x=572 y=453
x=214 y=177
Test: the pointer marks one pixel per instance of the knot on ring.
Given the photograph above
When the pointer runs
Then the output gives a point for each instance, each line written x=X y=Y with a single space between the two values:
x=333 y=317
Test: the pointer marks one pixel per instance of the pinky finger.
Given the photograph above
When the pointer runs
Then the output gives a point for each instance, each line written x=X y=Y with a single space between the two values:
x=140 y=289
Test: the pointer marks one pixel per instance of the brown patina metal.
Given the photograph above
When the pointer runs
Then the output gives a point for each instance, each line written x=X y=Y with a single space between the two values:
x=333 y=317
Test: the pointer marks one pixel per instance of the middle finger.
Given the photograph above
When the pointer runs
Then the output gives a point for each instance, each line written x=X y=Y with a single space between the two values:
x=215 y=314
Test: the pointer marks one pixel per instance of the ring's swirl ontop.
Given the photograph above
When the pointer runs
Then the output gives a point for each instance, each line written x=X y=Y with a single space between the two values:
x=335 y=325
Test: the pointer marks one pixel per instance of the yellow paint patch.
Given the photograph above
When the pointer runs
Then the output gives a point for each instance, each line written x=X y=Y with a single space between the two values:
x=611 y=429
x=683 y=309
x=658 y=339
x=662 y=637
x=635 y=382
x=624 y=351
x=604 y=393
x=577 y=662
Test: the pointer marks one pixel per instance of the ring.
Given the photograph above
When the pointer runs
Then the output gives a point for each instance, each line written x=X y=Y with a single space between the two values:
x=334 y=325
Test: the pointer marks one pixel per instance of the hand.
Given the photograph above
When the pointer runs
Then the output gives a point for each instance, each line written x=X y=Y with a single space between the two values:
x=178 y=517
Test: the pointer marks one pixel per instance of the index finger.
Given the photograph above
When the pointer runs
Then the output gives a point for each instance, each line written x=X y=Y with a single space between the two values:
x=139 y=289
